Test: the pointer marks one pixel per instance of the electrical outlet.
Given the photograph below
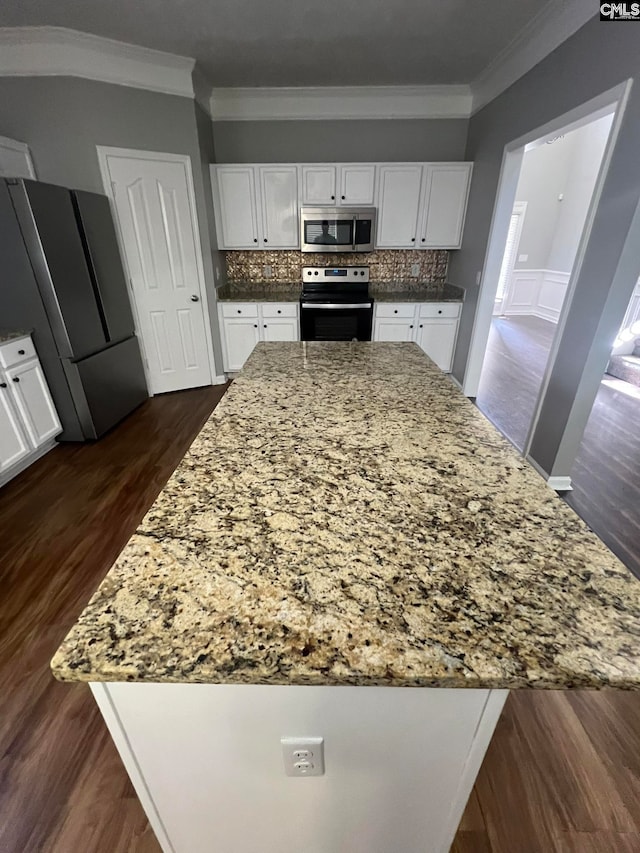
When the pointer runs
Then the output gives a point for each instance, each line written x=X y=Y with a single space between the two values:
x=522 y=259
x=267 y=271
x=303 y=756
x=415 y=270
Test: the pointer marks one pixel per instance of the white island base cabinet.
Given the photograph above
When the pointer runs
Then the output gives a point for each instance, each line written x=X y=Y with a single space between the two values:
x=432 y=325
x=207 y=764
x=28 y=419
x=244 y=324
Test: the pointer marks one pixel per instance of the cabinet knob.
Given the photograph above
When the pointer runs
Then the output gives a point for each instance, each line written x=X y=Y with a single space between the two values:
x=413 y=239
x=255 y=325
x=21 y=352
x=3 y=384
x=265 y=240
x=16 y=379
x=239 y=311
x=411 y=326
x=265 y=325
x=439 y=310
x=423 y=239
x=279 y=311
x=395 y=310
x=333 y=198
x=255 y=239
x=343 y=197
x=420 y=325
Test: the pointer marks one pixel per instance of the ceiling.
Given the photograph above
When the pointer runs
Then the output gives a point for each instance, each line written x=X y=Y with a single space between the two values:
x=299 y=42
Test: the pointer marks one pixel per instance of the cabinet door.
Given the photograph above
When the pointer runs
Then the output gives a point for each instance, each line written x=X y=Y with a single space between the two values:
x=398 y=205
x=240 y=337
x=280 y=329
x=438 y=338
x=357 y=183
x=318 y=185
x=445 y=203
x=33 y=400
x=279 y=197
x=387 y=329
x=14 y=445
x=235 y=207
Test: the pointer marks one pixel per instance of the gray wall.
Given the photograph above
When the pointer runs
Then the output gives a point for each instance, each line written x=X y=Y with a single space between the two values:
x=358 y=141
x=542 y=178
x=63 y=119
x=592 y=61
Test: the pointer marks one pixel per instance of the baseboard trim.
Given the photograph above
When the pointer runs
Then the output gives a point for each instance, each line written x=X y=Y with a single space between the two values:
x=219 y=380
x=558 y=484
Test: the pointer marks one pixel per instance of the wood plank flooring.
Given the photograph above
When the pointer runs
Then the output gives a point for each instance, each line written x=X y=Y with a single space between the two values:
x=562 y=773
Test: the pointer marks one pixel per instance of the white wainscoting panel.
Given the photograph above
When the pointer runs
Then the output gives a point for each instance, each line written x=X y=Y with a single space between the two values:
x=538 y=293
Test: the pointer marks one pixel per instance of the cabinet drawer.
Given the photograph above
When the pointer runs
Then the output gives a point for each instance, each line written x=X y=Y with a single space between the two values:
x=239 y=309
x=395 y=309
x=16 y=351
x=279 y=309
x=440 y=309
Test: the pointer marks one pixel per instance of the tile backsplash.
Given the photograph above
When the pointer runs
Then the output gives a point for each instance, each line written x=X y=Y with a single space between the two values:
x=385 y=265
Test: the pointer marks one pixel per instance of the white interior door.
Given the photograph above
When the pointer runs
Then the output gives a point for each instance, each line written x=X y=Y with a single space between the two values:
x=154 y=206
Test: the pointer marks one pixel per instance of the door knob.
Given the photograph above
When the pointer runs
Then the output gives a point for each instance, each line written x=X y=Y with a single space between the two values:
x=195 y=298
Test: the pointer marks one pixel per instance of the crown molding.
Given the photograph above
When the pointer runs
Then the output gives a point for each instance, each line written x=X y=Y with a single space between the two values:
x=340 y=102
x=57 y=51
x=555 y=23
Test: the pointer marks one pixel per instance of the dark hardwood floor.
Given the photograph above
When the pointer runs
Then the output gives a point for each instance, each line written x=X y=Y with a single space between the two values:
x=562 y=773
x=512 y=371
x=606 y=473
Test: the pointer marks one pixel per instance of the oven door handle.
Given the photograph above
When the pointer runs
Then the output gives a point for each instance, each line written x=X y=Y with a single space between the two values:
x=333 y=306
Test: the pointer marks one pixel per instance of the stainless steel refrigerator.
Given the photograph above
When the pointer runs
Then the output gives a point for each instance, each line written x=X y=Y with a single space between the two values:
x=62 y=278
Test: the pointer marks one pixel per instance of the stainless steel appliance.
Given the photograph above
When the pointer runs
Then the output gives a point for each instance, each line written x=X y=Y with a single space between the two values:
x=63 y=280
x=335 y=304
x=337 y=229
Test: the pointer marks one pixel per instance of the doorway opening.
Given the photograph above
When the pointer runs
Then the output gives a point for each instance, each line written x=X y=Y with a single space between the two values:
x=554 y=179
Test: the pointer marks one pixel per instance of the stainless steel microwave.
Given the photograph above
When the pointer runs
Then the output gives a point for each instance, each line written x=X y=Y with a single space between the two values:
x=337 y=229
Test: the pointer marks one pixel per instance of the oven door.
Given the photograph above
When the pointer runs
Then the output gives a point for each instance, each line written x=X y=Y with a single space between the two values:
x=335 y=321
x=330 y=229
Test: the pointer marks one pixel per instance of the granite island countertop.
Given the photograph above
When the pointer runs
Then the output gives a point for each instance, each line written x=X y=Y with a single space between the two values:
x=7 y=335
x=382 y=292
x=347 y=516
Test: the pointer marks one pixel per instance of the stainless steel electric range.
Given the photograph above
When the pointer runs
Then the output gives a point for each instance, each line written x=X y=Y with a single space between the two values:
x=335 y=304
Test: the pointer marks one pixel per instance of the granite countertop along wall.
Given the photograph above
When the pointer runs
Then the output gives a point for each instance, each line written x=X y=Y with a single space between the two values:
x=7 y=335
x=248 y=291
x=347 y=516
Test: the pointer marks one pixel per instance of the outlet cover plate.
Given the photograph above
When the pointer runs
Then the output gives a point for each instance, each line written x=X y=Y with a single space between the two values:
x=303 y=756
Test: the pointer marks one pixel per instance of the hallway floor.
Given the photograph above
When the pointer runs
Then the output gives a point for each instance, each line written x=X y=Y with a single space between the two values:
x=606 y=473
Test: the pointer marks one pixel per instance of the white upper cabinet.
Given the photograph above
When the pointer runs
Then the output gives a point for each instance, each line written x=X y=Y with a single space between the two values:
x=235 y=206
x=279 y=196
x=357 y=183
x=318 y=185
x=445 y=191
x=336 y=184
x=398 y=202
x=256 y=207
x=420 y=205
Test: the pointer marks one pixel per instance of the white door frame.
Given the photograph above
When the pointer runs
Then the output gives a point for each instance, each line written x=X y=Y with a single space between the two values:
x=614 y=100
x=520 y=208
x=104 y=152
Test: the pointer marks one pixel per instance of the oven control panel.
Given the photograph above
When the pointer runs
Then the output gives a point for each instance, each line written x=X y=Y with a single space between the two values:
x=335 y=274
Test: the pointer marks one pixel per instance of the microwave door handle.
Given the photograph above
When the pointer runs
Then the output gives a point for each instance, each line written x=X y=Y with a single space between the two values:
x=353 y=246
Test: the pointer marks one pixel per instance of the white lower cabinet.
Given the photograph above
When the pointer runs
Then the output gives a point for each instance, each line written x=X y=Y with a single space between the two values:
x=244 y=324
x=432 y=325
x=28 y=419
